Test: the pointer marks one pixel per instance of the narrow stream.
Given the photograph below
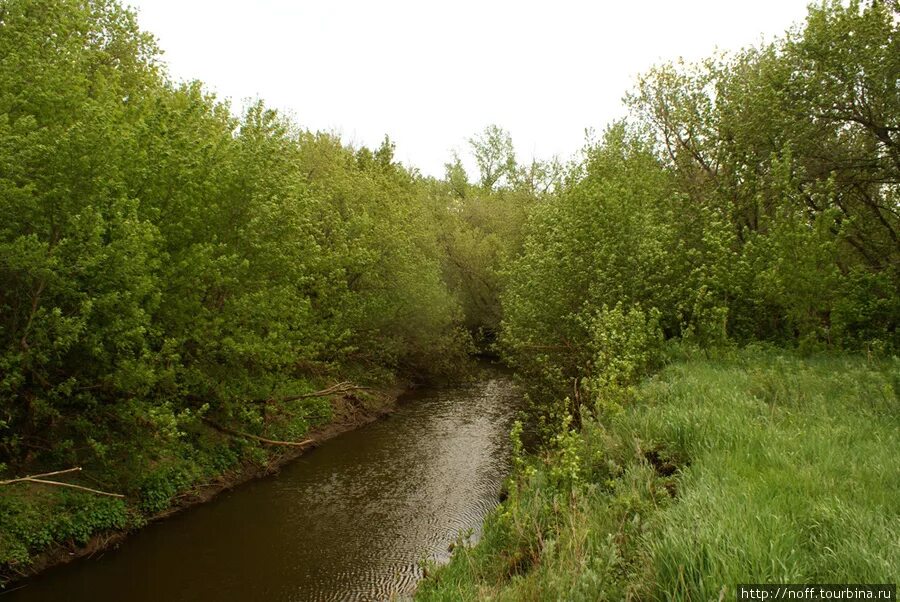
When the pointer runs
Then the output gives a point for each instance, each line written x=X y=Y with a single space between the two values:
x=351 y=520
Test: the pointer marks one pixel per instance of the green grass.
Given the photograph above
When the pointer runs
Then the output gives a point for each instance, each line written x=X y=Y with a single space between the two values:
x=762 y=467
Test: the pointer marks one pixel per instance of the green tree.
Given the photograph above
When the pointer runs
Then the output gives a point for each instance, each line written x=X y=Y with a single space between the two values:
x=495 y=156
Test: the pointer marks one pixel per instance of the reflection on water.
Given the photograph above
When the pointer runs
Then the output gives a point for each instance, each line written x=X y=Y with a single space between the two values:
x=348 y=521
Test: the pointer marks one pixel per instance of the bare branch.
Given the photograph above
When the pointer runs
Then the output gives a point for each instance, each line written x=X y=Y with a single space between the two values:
x=342 y=387
x=37 y=479
x=244 y=435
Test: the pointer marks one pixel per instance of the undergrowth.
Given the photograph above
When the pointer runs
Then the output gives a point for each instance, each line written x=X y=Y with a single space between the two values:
x=155 y=472
x=761 y=466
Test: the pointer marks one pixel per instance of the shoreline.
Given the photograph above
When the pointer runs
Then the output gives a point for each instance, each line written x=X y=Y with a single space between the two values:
x=350 y=413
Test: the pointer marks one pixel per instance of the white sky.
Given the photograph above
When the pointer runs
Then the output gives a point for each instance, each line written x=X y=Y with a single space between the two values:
x=431 y=74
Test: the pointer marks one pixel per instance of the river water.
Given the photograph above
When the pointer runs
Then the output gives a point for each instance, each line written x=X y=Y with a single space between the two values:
x=351 y=520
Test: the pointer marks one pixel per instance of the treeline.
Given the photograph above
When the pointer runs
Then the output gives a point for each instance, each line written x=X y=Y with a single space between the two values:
x=162 y=259
x=484 y=222
x=748 y=197
x=705 y=318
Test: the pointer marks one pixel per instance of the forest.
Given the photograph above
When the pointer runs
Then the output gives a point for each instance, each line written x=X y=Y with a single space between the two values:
x=714 y=273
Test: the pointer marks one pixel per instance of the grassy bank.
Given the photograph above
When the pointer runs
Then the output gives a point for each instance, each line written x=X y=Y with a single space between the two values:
x=758 y=467
x=165 y=472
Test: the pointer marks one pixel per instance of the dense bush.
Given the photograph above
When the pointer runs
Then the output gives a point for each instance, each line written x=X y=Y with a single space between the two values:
x=746 y=197
x=161 y=259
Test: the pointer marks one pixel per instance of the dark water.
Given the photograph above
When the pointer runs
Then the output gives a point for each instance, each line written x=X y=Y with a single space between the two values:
x=348 y=521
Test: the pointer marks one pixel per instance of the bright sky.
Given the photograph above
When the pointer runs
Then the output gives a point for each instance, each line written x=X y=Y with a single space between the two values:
x=431 y=74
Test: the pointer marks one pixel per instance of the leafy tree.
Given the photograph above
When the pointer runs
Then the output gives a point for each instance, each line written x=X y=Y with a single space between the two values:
x=495 y=156
x=794 y=136
x=161 y=258
x=77 y=256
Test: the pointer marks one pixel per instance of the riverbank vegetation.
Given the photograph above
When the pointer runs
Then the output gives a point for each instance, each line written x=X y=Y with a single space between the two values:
x=749 y=201
x=753 y=466
x=178 y=279
x=170 y=272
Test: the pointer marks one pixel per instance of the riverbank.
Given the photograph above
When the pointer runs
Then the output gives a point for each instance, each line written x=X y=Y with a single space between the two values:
x=351 y=521
x=42 y=527
x=757 y=467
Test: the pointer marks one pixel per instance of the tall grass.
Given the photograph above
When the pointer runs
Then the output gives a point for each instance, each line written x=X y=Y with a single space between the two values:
x=761 y=467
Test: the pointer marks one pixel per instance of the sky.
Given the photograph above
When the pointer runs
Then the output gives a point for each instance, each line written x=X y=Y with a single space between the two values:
x=431 y=74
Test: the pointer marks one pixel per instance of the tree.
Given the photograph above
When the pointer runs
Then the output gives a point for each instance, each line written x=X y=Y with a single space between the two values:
x=495 y=156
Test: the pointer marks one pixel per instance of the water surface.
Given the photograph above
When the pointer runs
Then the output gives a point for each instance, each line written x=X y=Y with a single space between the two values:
x=351 y=520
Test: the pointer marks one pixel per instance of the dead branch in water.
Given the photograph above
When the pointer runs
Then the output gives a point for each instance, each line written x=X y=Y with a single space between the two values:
x=236 y=433
x=38 y=478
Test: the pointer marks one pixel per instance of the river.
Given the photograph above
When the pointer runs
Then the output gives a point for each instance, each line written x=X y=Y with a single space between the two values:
x=351 y=520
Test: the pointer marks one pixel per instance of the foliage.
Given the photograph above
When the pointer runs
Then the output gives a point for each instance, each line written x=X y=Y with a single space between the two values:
x=746 y=197
x=164 y=261
x=159 y=257
x=607 y=240
x=495 y=155
x=61 y=517
x=624 y=346
x=481 y=227
x=794 y=146
x=759 y=467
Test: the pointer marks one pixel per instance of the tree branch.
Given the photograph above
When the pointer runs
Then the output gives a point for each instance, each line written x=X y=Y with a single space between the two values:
x=236 y=433
x=37 y=479
x=342 y=387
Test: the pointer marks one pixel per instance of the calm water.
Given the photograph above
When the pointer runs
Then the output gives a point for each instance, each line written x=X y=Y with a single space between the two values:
x=348 y=521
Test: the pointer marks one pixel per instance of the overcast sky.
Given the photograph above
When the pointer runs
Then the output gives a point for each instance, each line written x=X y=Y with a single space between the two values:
x=430 y=74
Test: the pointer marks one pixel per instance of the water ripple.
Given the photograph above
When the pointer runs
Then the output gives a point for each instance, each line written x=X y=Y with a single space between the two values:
x=351 y=520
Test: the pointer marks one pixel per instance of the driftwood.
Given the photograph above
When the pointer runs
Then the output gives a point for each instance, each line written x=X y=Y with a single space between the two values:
x=38 y=478
x=236 y=433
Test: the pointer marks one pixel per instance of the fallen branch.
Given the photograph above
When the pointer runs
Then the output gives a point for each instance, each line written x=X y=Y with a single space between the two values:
x=343 y=387
x=38 y=478
x=236 y=433
x=42 y=475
